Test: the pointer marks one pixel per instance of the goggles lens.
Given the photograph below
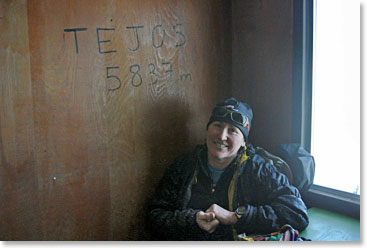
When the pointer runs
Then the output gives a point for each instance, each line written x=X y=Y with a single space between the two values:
x=229 y=110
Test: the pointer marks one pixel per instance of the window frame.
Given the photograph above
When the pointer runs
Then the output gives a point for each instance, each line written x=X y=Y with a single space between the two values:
x=334 y=200
x=318 y=196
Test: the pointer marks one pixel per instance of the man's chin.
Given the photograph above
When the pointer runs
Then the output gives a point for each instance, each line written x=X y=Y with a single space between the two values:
x=222 y=157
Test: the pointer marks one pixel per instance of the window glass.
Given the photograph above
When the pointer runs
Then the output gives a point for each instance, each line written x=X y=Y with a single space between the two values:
x=335 y=138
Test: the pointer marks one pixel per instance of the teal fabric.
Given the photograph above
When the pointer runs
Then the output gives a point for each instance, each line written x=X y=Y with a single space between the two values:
x=216 y=173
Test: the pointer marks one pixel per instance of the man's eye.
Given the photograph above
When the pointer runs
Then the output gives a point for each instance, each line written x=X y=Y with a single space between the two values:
x=232 y=130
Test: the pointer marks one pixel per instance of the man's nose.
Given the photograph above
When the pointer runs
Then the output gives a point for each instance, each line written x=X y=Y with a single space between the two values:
x=223 y=134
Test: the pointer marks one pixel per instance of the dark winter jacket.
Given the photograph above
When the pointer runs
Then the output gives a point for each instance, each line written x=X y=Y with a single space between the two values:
x=267 y=195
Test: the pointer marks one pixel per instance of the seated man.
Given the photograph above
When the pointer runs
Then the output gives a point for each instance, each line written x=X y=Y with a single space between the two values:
x=219 y=190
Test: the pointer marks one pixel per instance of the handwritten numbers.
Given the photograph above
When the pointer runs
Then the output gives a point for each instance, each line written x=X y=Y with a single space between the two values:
x=152 y=72
x=115 y=77
x=170 y=71
x=135 y=73
x=159 y=38
x=137 y=79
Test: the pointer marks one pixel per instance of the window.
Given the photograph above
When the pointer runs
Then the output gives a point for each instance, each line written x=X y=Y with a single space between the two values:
x=335 y=131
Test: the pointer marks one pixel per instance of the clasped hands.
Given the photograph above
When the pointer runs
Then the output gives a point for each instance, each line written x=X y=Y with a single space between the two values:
x=213 y=216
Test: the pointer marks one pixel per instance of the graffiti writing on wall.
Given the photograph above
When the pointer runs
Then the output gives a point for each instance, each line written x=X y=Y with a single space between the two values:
x=158 y=40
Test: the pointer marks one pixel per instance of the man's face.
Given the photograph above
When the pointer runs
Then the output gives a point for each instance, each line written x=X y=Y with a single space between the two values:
x=223 y=141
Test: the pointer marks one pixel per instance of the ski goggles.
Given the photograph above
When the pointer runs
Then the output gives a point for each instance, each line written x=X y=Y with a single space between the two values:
x=234 y=115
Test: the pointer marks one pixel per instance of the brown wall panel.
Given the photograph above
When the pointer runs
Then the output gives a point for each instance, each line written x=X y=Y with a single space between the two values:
x=19 y=207
x=262 y=66
x=96 y=98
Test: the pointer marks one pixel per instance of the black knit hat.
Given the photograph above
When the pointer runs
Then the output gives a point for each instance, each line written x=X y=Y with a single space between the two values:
x=236 y=113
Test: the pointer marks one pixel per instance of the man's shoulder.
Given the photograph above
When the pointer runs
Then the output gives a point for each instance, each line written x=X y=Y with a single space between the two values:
x=188 y=159
x=258 y=165
x=194 y=153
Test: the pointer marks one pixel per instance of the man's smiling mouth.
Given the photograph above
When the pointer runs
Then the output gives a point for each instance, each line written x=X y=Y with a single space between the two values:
x=220 y=145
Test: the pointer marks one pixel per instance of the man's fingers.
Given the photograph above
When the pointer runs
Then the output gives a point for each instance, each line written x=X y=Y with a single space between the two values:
x=210 y=216
x=213 y=225
x=206 y=216
x=209 y=209
x=207 y=221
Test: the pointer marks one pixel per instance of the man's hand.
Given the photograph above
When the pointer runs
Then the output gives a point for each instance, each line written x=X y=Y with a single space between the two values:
x=207 y=221
x=224 y=216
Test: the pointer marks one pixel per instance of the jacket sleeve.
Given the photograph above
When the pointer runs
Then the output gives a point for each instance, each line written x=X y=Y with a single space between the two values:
x=166 y=218
x=274 y=202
